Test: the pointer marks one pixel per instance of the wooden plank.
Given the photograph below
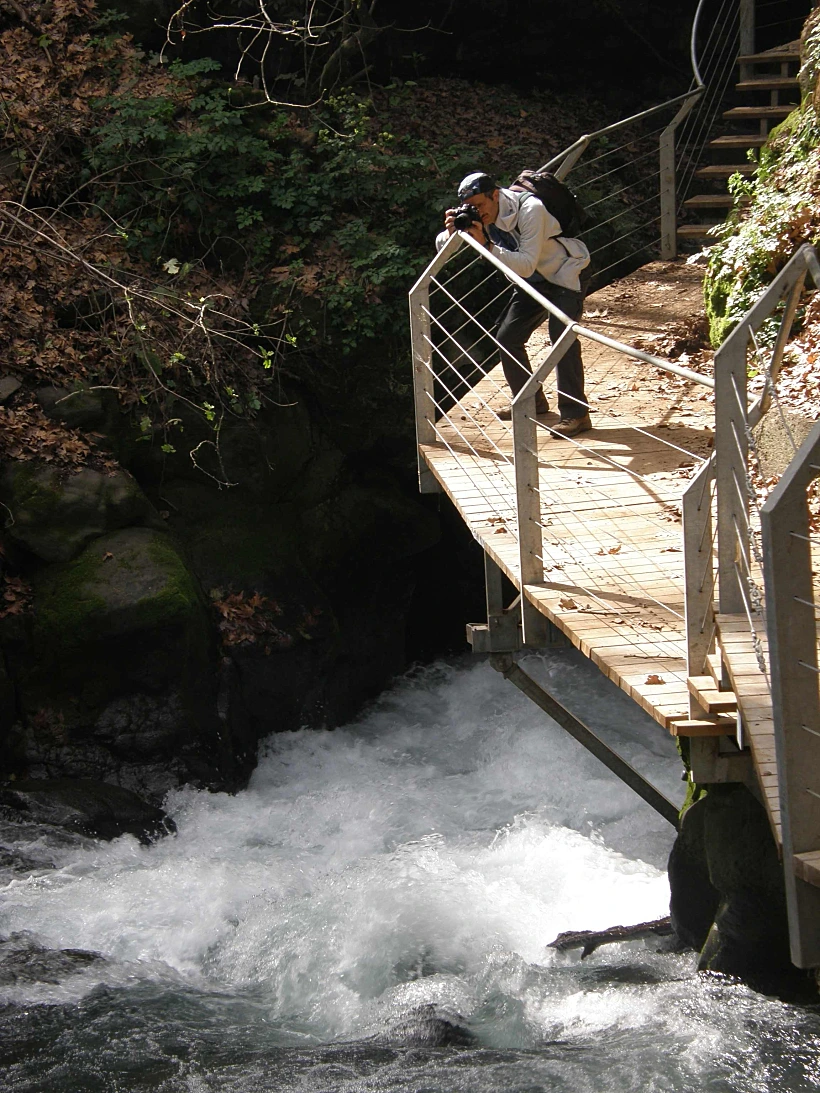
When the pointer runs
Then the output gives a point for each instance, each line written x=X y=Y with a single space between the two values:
x=807 y=867
x=694 y=727
x=712 y=700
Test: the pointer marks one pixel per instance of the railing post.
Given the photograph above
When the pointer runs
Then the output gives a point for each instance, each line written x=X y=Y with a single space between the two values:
x=669 y=196
x=731 y=455
x=424 y=379
x=747 y=34
x=699 y=580
x=792 y=632
x=669 y=217
x=527 y=490
x=528 y=508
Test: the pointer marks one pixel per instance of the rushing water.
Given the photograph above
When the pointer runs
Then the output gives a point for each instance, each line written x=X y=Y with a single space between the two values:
x=299 y=935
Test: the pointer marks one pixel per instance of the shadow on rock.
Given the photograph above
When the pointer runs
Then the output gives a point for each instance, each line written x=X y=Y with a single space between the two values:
x=23 y=960
x=426 y=1026
x=95 y=809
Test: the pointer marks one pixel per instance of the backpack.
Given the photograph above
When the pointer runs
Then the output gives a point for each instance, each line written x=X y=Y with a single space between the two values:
x=556 y=196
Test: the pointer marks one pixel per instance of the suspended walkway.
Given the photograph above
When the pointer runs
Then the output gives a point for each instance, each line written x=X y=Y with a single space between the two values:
x=644 y=542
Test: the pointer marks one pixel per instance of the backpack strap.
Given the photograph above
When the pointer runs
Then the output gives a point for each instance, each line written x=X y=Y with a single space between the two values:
x=525 y=192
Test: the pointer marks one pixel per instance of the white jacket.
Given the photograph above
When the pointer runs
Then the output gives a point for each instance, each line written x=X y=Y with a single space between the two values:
x=541 y=247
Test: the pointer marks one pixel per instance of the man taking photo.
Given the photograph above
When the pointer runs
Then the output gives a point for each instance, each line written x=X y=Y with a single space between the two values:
x=522 y=233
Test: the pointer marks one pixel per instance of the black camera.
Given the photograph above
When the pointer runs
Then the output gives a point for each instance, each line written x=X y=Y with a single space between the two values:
x=465 y=216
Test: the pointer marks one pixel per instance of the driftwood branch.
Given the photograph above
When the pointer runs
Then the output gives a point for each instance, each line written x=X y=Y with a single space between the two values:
x=589 y=940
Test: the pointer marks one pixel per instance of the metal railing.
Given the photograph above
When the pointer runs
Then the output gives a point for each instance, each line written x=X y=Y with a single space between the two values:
x=641 y=168
x=756 y=561
x=650 y=167
x=488 y=435
x=791 y=550
x=721 y=510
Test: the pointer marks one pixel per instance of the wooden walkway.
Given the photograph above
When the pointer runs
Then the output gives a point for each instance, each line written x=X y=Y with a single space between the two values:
x=610 y=501
x=606 y=526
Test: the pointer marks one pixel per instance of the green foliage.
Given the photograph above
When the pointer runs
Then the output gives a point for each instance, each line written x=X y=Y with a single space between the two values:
x=330 y=216
x=774 y=213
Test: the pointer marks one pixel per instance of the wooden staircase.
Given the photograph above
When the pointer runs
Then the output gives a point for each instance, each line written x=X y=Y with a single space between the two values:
x=771 y=75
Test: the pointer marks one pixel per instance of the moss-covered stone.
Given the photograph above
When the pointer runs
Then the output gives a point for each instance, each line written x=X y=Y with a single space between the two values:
x=77 y=408
x=121 y=583
x=55 y=511
x=115 y=669
x=727 y=891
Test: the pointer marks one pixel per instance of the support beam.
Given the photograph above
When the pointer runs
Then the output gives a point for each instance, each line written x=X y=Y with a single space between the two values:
x=505 y=664
x=747 y=35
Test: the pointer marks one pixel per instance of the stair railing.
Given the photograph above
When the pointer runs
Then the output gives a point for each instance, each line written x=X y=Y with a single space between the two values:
x=791 y=551
x=721 y=513
x=651 y=212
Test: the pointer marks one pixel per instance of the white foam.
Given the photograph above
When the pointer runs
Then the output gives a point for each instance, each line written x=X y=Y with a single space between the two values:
x=450 y=824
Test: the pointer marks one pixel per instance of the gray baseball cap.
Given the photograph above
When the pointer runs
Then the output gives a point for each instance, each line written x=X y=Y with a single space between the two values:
x=476 y=183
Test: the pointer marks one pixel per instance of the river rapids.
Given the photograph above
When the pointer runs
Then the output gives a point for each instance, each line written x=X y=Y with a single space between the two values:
x=374 y=913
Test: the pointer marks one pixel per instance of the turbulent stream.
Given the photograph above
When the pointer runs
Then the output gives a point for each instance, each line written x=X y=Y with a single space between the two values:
x=304 y=934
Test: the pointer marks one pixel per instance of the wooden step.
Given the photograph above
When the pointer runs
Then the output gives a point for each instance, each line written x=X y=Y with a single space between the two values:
x=726 y=170
x=807 y=867
x=740 y=140
x=709 y=201
x=696 y=231
x=768 y=83
x=765 y=113
x=704 y=691
x=790 y=52
x=722 y=725
x=714 y=666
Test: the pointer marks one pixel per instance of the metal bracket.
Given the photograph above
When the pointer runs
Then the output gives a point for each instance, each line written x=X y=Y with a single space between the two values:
x=505 y=664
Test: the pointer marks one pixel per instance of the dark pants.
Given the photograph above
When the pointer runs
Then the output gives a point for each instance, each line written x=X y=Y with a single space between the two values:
x=522 y=316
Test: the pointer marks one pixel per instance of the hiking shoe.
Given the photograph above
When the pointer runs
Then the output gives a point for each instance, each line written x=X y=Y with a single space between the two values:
x=541 y=407
x=571 y=426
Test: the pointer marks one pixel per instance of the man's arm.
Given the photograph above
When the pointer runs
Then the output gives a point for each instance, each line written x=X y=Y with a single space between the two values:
x=536 y=225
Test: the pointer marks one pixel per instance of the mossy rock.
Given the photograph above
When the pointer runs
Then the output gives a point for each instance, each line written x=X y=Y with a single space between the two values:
x=750 y=936
x=78 y=408
x=55 y=512
x=373 y=524
x=125 y=613
x=115 y=670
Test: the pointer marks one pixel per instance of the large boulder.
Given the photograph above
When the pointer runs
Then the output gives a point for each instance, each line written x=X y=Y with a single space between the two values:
x=84 y=806
x=55 y=511
x=725 y=861
x=115 y=668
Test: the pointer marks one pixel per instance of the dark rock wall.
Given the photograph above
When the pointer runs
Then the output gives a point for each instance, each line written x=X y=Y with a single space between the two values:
x=727 y=893
x=125 y=669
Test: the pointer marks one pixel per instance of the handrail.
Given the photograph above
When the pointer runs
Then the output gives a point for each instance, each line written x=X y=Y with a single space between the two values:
x=593 y=335
x=583 y=142
x=693 y=44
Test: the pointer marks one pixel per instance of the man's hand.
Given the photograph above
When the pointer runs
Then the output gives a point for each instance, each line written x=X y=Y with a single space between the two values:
x=476 y=229
x=478 y=233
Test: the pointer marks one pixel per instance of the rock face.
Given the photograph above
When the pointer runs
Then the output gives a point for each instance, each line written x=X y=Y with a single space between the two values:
x=84 y=806
x=56 y=512
x=123 y=668
x=175 y=621
x=728 y=898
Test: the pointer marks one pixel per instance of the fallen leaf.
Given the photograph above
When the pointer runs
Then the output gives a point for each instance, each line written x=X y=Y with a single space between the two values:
x=568 y=604
x=655 y=681
x=107 y=556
